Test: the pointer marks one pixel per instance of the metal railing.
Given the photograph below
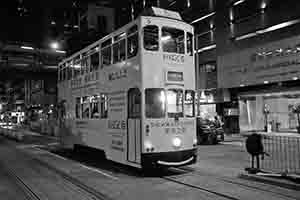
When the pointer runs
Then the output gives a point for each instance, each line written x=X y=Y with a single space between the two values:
x=283 y=154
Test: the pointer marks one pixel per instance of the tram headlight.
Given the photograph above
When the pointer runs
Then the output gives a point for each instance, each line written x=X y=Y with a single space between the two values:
x=176 y=142
x=195 y=141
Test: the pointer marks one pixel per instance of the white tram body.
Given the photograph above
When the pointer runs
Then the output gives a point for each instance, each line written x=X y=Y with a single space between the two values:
x=131 y=94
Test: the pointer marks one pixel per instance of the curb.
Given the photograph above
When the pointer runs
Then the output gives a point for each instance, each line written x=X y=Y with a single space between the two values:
x=272 y=181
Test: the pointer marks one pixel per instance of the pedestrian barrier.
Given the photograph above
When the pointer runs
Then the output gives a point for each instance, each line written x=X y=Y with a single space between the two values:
x=283 y=154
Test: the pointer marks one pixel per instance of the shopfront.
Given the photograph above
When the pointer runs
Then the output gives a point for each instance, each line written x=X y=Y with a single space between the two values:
x=271 y=112
x=266 y=84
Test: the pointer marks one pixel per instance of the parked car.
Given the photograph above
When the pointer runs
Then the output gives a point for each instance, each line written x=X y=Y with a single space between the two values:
x=208 y=132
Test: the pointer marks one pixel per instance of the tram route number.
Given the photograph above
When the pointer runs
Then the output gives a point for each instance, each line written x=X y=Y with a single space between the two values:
x=173 y=58
x=117 y=124
x=175 y=130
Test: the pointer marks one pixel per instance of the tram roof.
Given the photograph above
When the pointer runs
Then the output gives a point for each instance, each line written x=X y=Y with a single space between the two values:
x=153 y=11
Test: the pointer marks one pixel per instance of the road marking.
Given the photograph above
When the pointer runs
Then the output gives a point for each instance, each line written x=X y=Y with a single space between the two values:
x=84 y=166
x=98 y=171
x=81 y=165
x=52 y=144
x=57 y=156
x=63 y=158
x=236 y=143
x=29 y=146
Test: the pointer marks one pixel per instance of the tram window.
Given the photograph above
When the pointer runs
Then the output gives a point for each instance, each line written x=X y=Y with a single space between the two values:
x=95 y=61
x=95 y=106
x=189 y=101
x=115 y=52
x=85 y=107
x=106 y=52
x=151 y=38
x=64 y=74
x=77 y=107
x=122 y=50
x=59 y=75
x=84 y=65
x=189 y=44
x=174 y=103
x=155 y=99
x=134 y=104
x=76 y=68
x=106 y=56
x=172 y=40
x=68 y=75
x=119 y=51
x=104 y=105
x=69 y=72
x=132 y=45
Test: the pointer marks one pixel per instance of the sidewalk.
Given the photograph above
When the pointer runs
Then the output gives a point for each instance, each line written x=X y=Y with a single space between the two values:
x=26 y=136
x=290 y=182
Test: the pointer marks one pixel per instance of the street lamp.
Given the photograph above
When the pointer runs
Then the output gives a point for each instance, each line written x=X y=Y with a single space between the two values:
x=54 y=45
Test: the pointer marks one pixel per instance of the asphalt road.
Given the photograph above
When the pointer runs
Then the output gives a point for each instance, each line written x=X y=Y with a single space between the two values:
x=213 y=177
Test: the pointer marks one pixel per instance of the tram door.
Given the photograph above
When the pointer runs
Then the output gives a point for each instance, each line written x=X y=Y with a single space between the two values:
x=134 y=126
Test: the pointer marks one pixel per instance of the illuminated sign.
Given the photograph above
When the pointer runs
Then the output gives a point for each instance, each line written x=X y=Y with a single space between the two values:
x=166 y=13
x=175 y=76
x=273 y=62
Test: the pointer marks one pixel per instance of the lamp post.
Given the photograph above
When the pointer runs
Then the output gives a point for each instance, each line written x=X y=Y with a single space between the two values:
x=54 y=45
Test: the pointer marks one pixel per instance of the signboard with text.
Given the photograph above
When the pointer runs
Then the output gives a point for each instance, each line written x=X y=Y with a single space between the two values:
x=274 y=62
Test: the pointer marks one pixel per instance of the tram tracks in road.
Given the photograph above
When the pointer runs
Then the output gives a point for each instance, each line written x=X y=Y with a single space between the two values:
x=65 y=183
x=28 y=191
x=225 y=196
x=190 y=171
x=175 y=175
x=96 y=195
x=138 y=173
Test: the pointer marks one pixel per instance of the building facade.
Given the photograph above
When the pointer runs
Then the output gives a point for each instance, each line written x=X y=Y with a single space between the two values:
x=248 y=64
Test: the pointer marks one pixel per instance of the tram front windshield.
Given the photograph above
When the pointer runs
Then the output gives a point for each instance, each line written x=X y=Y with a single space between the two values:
x=172 y=39
x=155 y=103
x=171 y=103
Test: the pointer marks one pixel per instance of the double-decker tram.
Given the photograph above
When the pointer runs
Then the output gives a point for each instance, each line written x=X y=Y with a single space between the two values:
x=132 y=93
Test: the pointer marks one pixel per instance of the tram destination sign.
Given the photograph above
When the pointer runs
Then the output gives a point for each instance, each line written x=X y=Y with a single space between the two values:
x=175 y=76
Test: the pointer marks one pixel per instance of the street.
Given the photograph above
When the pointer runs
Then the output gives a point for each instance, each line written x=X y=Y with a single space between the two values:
x=64 y=174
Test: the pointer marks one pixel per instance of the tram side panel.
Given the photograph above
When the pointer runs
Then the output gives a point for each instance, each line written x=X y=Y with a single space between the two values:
x=118 y=146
